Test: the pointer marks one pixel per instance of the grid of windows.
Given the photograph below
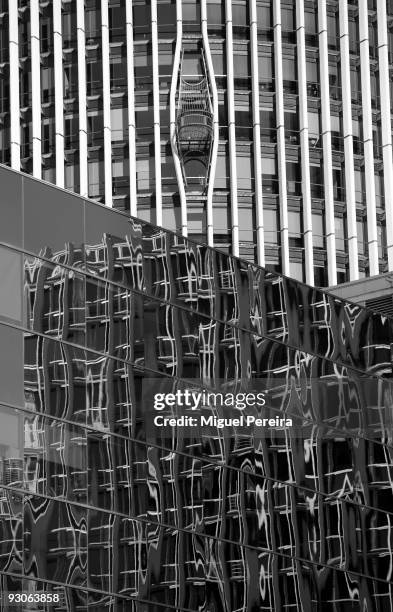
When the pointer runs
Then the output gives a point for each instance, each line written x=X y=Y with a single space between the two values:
x=304 y=86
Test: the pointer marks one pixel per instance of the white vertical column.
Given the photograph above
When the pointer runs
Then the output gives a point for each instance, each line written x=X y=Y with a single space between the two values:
x=14 y=86
x=350 y=196
x=213 y=160
x=156 y=112
x=36 y=86
x=368 y=139
x=305 y=156
x=106 y=98
x=59 y=105
x=231 y=129
x=172 y=113
x=131 y=108
x=83 y=173
x=327 y=144
x=257 y=135
x=282 y=173
x=384 y=92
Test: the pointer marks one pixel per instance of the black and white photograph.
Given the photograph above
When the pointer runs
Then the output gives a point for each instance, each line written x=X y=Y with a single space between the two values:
x=196 y=306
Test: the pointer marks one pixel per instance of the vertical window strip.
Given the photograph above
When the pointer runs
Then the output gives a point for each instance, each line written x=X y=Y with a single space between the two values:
x=368 y=138
x=350 y=195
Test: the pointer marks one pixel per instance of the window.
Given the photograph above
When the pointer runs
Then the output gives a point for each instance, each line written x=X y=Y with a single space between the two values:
x=246 y=225
x=353 y=30
x=239 y=14
x=381 y=233
x=118 y=124
x=291 y=122
x=241 y=65
x=92 y=21
x=293 y=178
x=243 y=165
x=93 y=78
x=221 y=222
x=288 y=24
x=144 y=172
x=143 y=117
x=215 y=12
x=141 y=57
x=295 y=229
x=320 y=276
x=243 y=119
x=219 y=62
x=94 y=172
x=312 y=71
x=222 y=172
x=169 y=218
x=355 y=84
x=337 y=140
x=116 y=23
x=95 y=128
x=70 y=132
x=296 y=270
x=264 y=17
x=67 y=81
x=359 y=186
x=339 y=231
x=268 y=125
x=269 y=175
x=68 y=27
x=318 y=231
x=287 y=18
x=119 y=168
x=379 y=191
x=44 y=36
x=47 y=85
x=118 y=78
x=45 y=136
x=310 y=22
x=332 y=26
x=192 y=64
x=71 y=177
x=265 y=68
x=313 y=128
x=289 y=74
x=196 y=222
x=316 y=181
x=360 y=225
x=338 y=189
x=270 y=223
x=191 y=12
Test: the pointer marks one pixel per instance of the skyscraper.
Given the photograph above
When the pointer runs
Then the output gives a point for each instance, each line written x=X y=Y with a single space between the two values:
x=103 y=512
x=258 y=126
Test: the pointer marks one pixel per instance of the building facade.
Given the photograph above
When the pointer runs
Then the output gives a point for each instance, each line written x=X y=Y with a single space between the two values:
x=108 y=514
x=260 y=127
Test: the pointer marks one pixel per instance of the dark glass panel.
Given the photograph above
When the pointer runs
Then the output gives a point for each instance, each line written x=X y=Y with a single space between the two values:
x=11 y=365
x=11 y=207
x=53 y=221
x=10 y=284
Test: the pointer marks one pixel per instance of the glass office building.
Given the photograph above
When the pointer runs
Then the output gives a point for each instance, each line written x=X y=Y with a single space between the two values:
x=110 y=514
x=260 y=127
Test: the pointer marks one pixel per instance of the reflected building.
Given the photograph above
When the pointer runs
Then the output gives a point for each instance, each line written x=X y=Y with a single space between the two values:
x=260 y=127
x=111 y=514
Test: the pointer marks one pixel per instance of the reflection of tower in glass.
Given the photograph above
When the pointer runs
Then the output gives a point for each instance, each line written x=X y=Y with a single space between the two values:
x=193 y=121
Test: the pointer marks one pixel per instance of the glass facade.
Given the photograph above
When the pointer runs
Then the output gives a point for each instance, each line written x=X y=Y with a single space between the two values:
x=109 y=514
x=175 y=111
